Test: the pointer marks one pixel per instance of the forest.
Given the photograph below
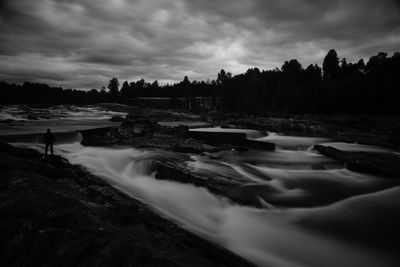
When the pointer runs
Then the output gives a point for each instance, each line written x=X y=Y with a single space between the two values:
x=338 y=87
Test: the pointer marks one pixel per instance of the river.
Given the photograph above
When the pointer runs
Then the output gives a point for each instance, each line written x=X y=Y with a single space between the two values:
x=322 y=214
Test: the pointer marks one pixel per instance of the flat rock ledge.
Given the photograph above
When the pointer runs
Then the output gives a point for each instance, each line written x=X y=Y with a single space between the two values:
x=57 y=214
x=386 y=164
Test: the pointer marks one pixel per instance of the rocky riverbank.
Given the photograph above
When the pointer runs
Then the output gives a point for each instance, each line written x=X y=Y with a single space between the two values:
x=57 y=214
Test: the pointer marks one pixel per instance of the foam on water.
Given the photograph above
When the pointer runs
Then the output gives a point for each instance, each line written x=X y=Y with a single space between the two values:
x=358 y=147
x=67 y=112
x=270 y=237
x=316 y=212
x=292 y=142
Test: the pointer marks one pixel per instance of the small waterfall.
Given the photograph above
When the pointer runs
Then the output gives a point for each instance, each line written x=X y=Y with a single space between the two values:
x=267 y=237
x=315 y=212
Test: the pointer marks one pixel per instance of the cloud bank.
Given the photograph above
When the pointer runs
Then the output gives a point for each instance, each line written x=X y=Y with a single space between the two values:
x=82 y=44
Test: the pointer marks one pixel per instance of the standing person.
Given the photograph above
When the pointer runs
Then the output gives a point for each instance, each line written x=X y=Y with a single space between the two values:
x=49 y=140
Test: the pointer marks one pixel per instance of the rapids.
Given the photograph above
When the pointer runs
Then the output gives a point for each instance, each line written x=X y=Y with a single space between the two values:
x=275 y=235
x=315 y=212
x=65 y=122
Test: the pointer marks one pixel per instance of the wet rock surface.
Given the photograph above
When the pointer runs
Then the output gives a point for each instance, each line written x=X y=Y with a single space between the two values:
x=174 y=145
x=387 y=164
x=57 y=214
x=220 y=179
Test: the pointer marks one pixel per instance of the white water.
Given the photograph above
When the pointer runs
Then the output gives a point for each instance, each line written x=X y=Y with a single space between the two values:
x=357 y=147
x=292 y=142
x=61 y=119
x=67 y=112
x=269 y=237
x=347 y=231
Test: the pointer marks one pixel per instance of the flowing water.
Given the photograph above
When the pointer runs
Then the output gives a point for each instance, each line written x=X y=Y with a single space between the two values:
x=316 y=212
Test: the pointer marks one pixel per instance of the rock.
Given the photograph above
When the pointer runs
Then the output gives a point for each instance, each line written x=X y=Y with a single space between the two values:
x=99 y=137
x=7 y=121
x=263 y=145
x=181 y=131
x=31 y=117
x=395 y=135
x=220 y=137
x=132 y=120
x=95 y=132
x=189 y=147
x=211 y=155
x=80 y=220
x=319 y=130
x=219 y=178
x=133 y=127
x=117 y=119
x=247 y=124
x=387 y=164
x=195 y=146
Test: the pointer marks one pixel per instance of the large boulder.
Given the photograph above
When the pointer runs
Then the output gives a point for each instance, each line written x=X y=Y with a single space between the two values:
x=117 y=119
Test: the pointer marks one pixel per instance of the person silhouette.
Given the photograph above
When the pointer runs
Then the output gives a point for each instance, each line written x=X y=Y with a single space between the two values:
x=49 y=140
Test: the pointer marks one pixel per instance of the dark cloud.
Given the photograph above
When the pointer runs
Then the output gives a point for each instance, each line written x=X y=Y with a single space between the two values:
x=83 y=43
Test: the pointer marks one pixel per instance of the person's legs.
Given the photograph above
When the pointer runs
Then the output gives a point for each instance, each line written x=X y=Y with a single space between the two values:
x=46 y=149
x=51 y=148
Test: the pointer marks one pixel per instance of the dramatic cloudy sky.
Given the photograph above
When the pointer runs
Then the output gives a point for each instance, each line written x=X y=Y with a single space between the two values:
x=83 y=43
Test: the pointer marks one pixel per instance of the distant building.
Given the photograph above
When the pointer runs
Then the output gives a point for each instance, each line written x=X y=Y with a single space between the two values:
x=194 y=104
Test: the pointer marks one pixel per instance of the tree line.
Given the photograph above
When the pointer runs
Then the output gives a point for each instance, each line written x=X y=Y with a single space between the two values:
x=337 y=87
x=38 y=93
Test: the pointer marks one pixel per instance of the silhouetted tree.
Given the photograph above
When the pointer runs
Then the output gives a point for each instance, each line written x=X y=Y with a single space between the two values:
x=330 y=65
x=113 y=86
x=351 y=88
x=292 y=67
x=223 y=76
x=186 y=81
x=313 y=73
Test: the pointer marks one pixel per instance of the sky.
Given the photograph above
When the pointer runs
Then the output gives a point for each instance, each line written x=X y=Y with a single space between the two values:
x=84 y=43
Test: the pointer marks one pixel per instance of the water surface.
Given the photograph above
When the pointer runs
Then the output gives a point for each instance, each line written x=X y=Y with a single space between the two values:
x=315 y=212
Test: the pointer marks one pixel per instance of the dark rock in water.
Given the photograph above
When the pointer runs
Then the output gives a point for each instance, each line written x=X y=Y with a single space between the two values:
x=244 y=124
x=136 y=126
x=239 y=139
x=137 y=130
x=319 y=130
x=97 y=131
x=395 y=135
x=175 y=167
x=99 y=137
x=176 y=172
x=7 y=121
x=98 y=141
x=260 y=145
x=387 y=164
x=195 y=146
x=31 y=117
x=220 y=137
x=133 y=120
x=117 y=119
x=180 y=130
x=189 y=147
x=57 y=214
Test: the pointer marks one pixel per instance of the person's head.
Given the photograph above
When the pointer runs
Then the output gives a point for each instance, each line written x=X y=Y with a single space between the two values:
x=48 y=130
